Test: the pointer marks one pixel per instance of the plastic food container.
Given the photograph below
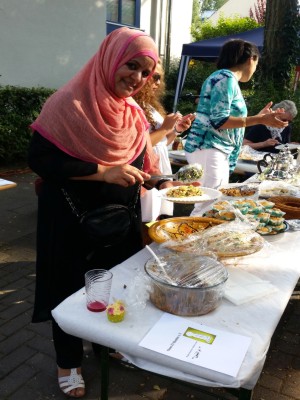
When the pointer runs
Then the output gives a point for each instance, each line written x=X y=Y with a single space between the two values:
x=194 y=285
x=235 y=191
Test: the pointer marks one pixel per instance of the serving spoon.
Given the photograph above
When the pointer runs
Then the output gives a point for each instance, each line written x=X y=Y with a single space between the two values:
x=161 y=266
x=188 y=173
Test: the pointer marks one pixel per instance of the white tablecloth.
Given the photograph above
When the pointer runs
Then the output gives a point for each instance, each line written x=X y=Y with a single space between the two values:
x=246 y=167
x=277 y=263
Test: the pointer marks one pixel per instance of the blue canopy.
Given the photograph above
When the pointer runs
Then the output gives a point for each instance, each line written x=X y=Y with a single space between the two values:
x=209 y=50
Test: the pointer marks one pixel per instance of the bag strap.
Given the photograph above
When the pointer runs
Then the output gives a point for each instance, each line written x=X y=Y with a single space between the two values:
x=79 y=214
x=71 y=203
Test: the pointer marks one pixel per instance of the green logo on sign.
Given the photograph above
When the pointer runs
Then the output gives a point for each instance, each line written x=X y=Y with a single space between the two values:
x=201 y=336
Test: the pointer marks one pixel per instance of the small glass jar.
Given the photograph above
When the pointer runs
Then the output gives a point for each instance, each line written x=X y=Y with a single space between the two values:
x=177 y=144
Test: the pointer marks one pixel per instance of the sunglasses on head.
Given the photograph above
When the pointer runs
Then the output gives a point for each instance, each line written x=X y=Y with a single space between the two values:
x=156 y=77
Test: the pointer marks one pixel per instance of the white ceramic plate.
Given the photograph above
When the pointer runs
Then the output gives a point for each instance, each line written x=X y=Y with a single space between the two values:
x=177 y=154
x=208 y=195
x=291 y=146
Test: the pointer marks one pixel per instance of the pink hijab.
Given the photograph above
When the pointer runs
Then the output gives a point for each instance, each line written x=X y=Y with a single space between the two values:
x=86 y=120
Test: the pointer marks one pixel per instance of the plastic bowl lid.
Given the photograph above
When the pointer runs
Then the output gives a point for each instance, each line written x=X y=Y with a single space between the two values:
x=187 y=271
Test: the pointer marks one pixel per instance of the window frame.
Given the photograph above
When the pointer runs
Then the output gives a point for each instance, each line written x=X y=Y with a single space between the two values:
x=112 y=25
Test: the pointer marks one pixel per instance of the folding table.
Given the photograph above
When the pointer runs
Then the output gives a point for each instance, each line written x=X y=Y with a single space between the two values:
x=278 y=263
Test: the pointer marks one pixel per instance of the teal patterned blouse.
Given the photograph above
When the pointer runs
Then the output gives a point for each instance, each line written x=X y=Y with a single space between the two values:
x=220 y=98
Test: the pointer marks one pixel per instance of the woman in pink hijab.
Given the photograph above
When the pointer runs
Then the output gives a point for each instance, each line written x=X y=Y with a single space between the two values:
x=91 y=140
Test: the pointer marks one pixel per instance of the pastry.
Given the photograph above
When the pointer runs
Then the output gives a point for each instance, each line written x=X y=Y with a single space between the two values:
x=116 y=311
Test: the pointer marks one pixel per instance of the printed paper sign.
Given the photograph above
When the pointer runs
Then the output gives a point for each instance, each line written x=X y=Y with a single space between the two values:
x=198 y=344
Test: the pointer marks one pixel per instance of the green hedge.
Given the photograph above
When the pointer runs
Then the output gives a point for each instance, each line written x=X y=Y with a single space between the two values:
x=18 y=109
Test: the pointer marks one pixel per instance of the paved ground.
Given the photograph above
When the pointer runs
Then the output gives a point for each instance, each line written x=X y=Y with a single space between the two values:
x=27 y=365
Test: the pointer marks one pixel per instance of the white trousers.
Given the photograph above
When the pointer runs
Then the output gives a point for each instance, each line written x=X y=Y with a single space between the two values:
x=215 y=172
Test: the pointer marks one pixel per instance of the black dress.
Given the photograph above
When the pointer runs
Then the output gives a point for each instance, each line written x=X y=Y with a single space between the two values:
x=260 y=133
x=63 y=251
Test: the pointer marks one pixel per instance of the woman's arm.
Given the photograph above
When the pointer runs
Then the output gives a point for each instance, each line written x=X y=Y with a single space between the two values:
x=166 y=129
x=264 y=119
x=53 y=164
x=49 y=162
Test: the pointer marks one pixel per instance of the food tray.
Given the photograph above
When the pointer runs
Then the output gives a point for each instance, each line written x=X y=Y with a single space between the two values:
x=255 y=244
x=251 y=188
x=290 y=146
x=179 y=227
x=252 y=212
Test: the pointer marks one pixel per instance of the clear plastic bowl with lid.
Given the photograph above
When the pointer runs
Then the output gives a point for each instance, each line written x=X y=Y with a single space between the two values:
x=194 y=285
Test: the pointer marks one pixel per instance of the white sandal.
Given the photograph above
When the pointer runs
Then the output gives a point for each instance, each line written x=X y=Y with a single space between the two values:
x=71 y=382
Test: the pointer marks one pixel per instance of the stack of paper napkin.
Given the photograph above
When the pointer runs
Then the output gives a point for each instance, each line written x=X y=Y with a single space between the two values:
x=243 y=287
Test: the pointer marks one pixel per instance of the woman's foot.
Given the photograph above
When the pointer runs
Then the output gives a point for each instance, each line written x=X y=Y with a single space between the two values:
x=71 y=382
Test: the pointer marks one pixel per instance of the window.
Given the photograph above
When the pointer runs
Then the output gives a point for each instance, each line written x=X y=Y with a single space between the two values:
x=123 y=12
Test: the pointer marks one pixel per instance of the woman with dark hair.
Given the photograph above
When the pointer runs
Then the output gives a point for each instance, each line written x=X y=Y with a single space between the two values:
x=216 y=135
x=91 y=140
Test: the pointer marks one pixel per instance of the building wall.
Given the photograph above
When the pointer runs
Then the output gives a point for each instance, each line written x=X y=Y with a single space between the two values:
x=181 y=21
x=154 y=20
x=234 y=7
x=45 y=42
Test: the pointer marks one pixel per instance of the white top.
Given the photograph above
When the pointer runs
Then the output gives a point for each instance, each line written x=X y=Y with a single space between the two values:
x=277 y=263
x=161 y=148
x=151 y=203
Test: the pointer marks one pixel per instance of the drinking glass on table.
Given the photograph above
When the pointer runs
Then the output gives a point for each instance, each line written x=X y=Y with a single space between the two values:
x=97 y=289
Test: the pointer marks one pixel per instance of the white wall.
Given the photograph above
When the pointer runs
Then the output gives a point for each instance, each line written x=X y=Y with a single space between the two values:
x=154 y=21
x=181 y=21
x=234 y=7
x=45 y=42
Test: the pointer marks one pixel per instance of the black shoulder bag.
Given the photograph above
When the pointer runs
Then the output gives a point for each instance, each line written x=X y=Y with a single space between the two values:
x=106 y=225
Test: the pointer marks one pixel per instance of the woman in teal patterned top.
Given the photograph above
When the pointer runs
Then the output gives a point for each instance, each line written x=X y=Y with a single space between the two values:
x=216 y=136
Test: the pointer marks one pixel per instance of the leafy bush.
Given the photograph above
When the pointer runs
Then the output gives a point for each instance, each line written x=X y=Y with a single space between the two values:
x=223 y=27
x=196 y=75
x=19 y=107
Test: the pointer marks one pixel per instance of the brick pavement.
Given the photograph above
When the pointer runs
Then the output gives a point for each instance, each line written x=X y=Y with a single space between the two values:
x=27 y=363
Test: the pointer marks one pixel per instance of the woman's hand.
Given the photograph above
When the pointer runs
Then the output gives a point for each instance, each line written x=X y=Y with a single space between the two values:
x=123 y=175
x=170 y=121
x=267 y=108
x=185 y=122
x=273 y=120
